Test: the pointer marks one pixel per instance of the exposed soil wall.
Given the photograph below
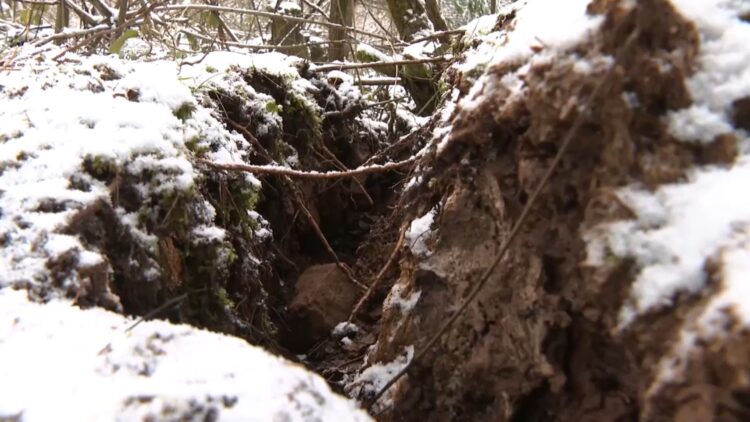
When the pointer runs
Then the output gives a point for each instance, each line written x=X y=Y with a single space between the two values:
x=542 y=342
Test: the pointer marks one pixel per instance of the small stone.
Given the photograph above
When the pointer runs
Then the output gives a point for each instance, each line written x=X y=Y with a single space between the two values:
x=323 y=297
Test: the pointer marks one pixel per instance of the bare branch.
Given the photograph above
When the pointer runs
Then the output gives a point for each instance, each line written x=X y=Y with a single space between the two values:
x=347 y=66
x=317 y=9
x=374 y=284
x=440 y=34
x=277 y=170
x=102 y=8
x=256 y=46
x=266 y=15
x=72 y=34
x=378 y=81
x=85 y=17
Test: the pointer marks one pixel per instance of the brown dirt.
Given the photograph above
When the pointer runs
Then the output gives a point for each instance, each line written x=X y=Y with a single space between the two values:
x=540 y=341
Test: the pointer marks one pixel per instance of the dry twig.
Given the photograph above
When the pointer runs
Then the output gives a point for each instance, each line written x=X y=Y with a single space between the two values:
x=312 y=175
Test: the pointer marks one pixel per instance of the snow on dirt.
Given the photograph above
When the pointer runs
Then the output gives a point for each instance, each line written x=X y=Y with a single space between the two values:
x=376 y=376
x=60 y=362
x=681 y=226
x=536 y=24
x=59 y=122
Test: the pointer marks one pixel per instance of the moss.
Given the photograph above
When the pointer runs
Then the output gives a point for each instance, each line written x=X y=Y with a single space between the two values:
x=223 y=297
x=302 y=118
x=174 y=212
x=245 y=198
x=417 y=71
x=22 y=156
x=195 y=146
x=184 y=111
x=272 y=107
x=99 y=167
x=364 y=56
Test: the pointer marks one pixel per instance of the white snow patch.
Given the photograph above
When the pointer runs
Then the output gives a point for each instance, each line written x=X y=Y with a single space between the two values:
x=206 y=233
x=344 y=329
x=372 y=52
x=404 y=303
x=55 y=366
x=552 y=24
x=373 y=379
x=419 y=232
x=677 y=228
x=288 y=8
x=724 y=74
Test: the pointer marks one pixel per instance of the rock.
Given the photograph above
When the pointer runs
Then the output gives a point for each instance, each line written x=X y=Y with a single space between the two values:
x=323 y=297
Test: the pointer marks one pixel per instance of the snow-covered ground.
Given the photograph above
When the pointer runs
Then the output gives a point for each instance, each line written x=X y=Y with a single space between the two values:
x=61 y=125
x=59 y=362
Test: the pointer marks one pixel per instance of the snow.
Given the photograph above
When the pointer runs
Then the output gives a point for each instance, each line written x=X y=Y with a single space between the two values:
x=396 y=299
x=552 y=24
x=344 y=329
x=220 y=62
x=724 y=75
x=57 y=117
x=209 y=233
x=676 y=229
x=288 y=8
x=373 y=52
x=60 y=362
x=60 y=124
x=419 y=232
x=376 y=376
x=681 y=227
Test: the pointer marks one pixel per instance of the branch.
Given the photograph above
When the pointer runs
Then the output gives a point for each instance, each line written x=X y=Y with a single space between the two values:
x=256 y=46
x=82 y=14
x=378 y=81
x=266 y=15
x=317 y=9
x=346 y=66
x=440 y=34
x=374 y=284
x=102 y=8
x=71 y=34
x=312 y=175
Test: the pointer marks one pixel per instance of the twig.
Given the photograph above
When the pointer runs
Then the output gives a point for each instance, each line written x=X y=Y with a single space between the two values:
x=135 y=20
x=298 y=199
x=266 y=15
x=348 y=66
x=312 y=175
x=258 y=46
x=342 y=167
x=374 y=284
x=317 y=9
x=440 y=34
x=567 y=140
x=383 y=81
x=82 y=14
x=71 y=34
x=104 y=9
